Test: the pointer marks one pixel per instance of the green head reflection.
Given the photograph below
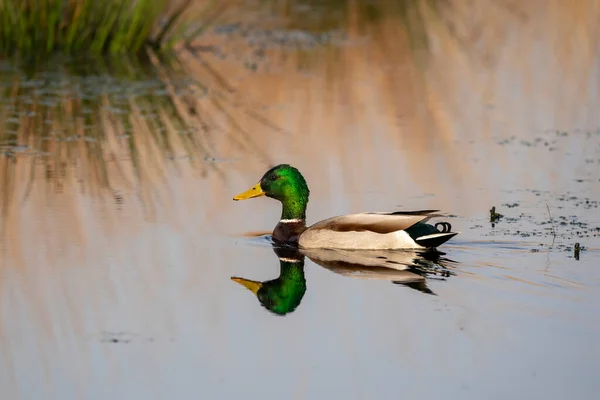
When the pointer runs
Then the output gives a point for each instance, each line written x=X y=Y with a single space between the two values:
x=283 y=294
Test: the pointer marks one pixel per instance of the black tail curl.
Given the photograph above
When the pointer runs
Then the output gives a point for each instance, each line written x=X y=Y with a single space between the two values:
x=446 y=227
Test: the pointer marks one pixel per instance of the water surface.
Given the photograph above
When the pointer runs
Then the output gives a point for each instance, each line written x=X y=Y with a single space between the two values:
x=119 y=237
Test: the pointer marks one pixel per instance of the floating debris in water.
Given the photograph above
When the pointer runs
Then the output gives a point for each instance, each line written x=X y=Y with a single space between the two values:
x=126 y=337
x=494 y=216
x=116 y=337
x=118 y=197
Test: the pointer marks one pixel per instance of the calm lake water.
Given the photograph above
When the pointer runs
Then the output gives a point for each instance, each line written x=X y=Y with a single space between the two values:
x=119 y=236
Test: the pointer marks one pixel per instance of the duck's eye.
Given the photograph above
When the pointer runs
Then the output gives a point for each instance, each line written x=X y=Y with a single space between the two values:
x=273 y=177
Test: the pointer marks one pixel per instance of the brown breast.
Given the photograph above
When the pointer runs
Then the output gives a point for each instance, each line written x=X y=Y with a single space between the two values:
x=289 y=232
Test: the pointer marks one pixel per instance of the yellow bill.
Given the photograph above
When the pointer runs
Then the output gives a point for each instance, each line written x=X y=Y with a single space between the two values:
x=253 y=286
x=255 y=191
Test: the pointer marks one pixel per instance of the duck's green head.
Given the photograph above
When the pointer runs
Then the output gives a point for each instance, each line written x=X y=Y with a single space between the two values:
x=284 y=294
x=286 y=184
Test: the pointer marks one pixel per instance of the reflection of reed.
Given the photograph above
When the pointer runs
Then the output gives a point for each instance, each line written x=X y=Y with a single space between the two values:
x=99 y=132
x=428 y=112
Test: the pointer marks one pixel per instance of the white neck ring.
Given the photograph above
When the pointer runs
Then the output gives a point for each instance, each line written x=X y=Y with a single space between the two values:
x=289 y=260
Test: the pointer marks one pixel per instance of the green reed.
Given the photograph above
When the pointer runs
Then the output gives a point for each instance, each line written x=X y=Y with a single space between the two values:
x=75 y=26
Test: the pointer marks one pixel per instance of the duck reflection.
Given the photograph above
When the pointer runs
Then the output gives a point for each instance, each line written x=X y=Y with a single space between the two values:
x=408 y=268
x=283 y=294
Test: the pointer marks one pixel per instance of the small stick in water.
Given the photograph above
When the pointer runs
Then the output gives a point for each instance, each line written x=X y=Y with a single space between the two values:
x=551 y=223
x=494 y=216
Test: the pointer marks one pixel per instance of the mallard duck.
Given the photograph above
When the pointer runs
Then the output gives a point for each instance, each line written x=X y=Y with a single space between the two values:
x=368 y=230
